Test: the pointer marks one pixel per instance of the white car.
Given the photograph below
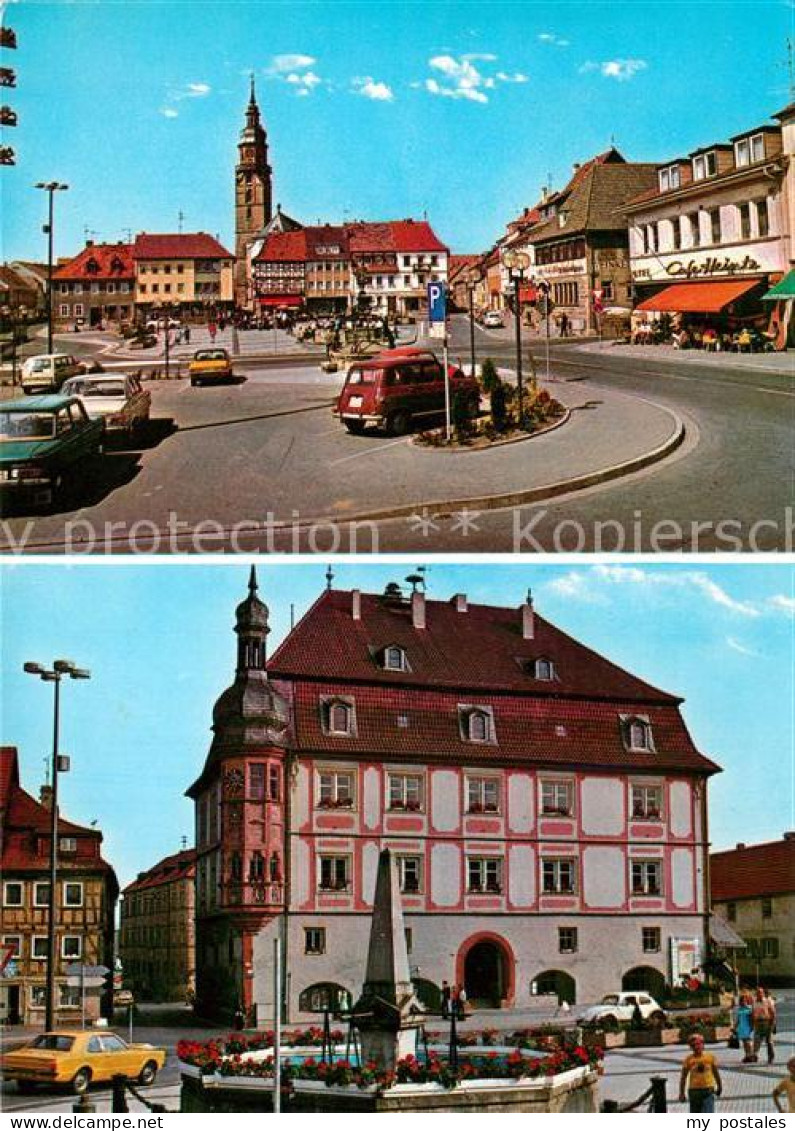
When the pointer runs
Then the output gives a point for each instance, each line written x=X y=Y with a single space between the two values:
x=617 y=1008
x=48 y=371
x=117 y=398
x=155 y=324
x=493 y=320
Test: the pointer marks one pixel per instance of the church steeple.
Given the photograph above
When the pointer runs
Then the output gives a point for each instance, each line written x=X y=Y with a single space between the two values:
x=253 y=192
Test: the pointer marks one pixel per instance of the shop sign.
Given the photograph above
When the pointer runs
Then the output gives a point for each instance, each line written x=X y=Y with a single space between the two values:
x=713 y=265
x=567 y=267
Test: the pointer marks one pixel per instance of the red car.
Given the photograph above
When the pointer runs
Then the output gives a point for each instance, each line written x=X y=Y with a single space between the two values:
x=399 y=388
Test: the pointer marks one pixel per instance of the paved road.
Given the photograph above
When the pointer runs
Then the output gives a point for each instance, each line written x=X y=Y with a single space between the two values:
x=267 y=446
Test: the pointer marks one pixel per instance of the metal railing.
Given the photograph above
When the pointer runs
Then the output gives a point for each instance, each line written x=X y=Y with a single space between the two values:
x=655 y=1094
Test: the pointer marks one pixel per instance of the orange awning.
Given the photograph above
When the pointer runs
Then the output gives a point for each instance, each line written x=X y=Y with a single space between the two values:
x=698 y=298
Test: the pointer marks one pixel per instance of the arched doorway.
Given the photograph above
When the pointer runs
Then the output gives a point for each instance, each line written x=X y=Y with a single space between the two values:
x=556 y=982
x=644 y=979
x=486 y=969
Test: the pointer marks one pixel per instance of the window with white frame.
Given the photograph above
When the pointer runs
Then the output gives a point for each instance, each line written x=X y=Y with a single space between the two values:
x=558 y=877
x=71 y=946
x=410 y=874
x=749 y=150
x=695 y=229
x=762 y=218
x=41 y=895
x=335 y=873
x=73 y=894
x=647 y=801
x=744 y=215
x=395 y=659
x=638 y=733
x=335 y=789
x=338 y=716
x=484 y=874
x=13 y=945
x=314 y=940
x=705 y=165
x=405 y=792
x=557 y=798
x=67 y=844
x=13 y=893
x=477 y=724
x=483 y=795
x=567 y=940
x=38 y=997
x=646 y=877
x=543 y=668
x=68 y=996
x=669 y=178
x=38 y=949
x=63 y=310
x=651 y=938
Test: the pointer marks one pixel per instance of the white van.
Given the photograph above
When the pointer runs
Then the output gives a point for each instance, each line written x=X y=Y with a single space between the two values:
x=48 y=371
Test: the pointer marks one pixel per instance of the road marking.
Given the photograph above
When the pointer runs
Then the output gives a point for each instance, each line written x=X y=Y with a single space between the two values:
x=370 y=451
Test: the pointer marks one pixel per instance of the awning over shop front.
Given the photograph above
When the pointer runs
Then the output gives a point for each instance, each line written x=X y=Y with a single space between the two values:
x=698 y=298
x=783 y=290
x=281 y=300
x=724 y=935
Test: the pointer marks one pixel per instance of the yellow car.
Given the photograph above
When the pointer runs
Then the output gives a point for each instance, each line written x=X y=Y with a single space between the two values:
x=78 y=1058
x=210 y=365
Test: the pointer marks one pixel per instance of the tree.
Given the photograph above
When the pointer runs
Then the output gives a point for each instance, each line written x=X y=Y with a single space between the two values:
x=461 y=417
x=499 y=411
x=489 y=377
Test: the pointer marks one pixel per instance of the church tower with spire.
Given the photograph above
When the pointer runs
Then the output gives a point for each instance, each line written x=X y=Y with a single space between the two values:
x=253 y=192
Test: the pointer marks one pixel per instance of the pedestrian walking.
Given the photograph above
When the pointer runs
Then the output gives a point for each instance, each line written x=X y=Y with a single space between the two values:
x=445 y=1000
x=564 y=324
x=763 y=1013
x=743 y=1025
x=212 y=330
x=700 y=1078
x=786 y=1088
x=462 y=1001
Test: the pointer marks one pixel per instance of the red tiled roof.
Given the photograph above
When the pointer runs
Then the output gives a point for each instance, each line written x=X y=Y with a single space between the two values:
x=470 y=657
x=754 y=871
x=283 y=247
x=415 y=235
x=185 y=245
x=370 y=238
x=105 y=255
x=179 y=866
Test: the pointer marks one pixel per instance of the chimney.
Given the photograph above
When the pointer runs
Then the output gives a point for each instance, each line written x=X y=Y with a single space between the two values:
x=460 y=602
x=356 y=604
x=528 y=618
x=418 y=609
x=576 y=166
x=789 y=836
x=45 y=796
x=740 y=845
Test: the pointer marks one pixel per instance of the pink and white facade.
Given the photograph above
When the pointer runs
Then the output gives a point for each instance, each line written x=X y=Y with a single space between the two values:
x=539 y=801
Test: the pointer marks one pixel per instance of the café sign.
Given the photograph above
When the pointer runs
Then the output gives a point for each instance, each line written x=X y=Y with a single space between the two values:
x=713 y=265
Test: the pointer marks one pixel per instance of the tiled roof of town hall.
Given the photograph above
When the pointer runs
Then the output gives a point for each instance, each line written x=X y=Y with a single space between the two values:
x=111 y=260
x=178 y=866
x=480 y=648
x=415 y=235
x=178 y=245
x=755 y=870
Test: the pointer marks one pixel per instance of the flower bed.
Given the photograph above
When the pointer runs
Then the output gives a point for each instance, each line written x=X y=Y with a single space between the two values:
x=208 y=1056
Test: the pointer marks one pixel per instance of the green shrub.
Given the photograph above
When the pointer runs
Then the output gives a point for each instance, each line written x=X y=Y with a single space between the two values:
x=489 y=377
x=499 y=411
x=461 y=418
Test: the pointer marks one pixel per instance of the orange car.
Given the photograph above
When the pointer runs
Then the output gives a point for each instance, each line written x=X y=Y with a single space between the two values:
x=78 y=1058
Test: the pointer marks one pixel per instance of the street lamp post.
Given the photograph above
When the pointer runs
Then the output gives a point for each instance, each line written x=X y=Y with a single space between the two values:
x=517 y=262
x=60 y=763
x=50 y=187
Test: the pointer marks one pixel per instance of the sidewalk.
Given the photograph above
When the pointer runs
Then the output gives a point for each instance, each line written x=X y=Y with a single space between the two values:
x=756 y=362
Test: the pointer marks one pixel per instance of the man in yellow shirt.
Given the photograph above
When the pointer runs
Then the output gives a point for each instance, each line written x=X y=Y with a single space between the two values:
x=700 y=1078
x=786 y=1087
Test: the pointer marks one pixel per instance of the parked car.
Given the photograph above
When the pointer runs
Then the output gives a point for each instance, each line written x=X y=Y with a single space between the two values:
x=617 y=1008
x=48 y=371
x=210 y=365
x=79 y=1057
x=117 y=398
x=155 y=324
x=43 y=443
x=399 y=388
x=493 y=320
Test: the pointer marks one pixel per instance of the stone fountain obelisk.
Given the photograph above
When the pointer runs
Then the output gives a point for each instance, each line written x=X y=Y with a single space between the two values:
x=387 y=1014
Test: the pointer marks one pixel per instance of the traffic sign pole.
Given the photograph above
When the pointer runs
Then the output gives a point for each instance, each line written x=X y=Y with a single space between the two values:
x=437 y=313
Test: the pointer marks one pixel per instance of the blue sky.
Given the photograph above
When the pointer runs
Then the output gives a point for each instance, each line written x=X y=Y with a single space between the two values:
x=158 y=639
x=374 y=110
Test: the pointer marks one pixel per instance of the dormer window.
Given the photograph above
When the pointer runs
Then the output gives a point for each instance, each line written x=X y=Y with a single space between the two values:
x=477 y=724
x=669 y=178
x=542 y=669
x=705 y=165
x=749 y=150
x=92 y=267
x=394 y=659
x=638 y=734
x=338 y=716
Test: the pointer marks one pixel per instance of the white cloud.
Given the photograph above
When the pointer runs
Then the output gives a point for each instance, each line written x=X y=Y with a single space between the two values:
x=783 y=604
x=620 y=69
x=581 y=586
x=554 y=40
x=576 y=586
x=517 y=77
x=304 y=83
x=377 y=91
x=463 y=79
x=290 y=62
x=169 y=112
x=196 y=90
x=737 y=646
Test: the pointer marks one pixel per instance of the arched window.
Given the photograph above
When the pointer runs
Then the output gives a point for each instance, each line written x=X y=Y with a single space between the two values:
x=275 y=867
x=638 y=734
x=395 y=659
x=477 y=725
x=544 y=669
x=340 y=718
x=324 y=995
x=556 y=982
x=256 y=868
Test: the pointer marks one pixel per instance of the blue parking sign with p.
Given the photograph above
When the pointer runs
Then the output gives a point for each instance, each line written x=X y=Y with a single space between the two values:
x=437 y=302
